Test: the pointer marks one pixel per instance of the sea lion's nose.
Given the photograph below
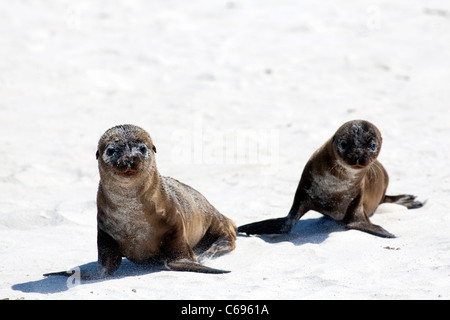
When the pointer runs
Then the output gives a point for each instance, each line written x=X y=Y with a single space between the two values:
x=128 y=162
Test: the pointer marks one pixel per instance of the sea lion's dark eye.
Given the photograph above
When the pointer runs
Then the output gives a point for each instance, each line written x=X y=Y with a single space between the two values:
x=343 y=145
x=110 y=151
x=373 y=146
x=143 y=149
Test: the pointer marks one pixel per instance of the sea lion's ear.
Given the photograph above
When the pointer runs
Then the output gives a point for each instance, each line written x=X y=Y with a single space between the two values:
x=154 y=148
x=97 y=154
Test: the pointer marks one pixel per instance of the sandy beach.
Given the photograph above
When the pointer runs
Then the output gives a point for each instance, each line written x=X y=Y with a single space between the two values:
x=236 y=95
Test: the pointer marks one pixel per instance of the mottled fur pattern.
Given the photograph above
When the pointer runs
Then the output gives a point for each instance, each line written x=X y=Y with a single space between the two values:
x=149 y=218
x=342 y=180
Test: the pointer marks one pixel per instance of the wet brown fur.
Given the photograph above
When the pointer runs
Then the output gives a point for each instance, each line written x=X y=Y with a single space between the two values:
x=345 y=185
x=149 y=218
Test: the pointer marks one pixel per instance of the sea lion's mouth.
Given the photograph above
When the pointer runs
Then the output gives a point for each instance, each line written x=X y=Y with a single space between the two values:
x=128 y=172
x=127 y=166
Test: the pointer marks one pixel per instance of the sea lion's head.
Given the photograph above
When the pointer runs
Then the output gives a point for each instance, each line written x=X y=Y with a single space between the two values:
x=357 y=143
x=125 y=151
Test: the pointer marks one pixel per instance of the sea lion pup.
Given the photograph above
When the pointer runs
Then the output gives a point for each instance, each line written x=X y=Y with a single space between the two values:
x=149 y=218
x=342 y=180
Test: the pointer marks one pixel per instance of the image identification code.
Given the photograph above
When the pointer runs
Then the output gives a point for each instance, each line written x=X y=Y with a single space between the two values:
x=234 y=309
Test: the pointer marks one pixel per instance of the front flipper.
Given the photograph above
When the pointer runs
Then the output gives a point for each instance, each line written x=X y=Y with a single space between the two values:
x=406 y=200
x=191 y=266
x=109 y=256
x=271 y=226
x=356 y=219
x=370 y=228
x=60 y=273
x=78 y=274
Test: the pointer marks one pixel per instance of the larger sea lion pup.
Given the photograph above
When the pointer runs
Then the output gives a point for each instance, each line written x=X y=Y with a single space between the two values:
x=149 y=218
x=342 y=180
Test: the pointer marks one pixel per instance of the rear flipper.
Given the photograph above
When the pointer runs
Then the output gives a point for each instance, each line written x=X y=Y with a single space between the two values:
x=406 y=200
x=218 y=240
x=217 y=249
x=370 y=228
x=191 y=266
x=271 y=226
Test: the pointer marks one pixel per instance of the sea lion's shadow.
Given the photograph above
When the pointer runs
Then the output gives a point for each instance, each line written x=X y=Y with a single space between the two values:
x=313 y=230
x=55 y=284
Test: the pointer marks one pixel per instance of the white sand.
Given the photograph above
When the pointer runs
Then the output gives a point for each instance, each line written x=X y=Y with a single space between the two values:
x=236 y=95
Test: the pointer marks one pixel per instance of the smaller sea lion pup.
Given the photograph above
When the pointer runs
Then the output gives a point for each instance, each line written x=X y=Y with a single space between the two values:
x=342 y=180
x=149 y=218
